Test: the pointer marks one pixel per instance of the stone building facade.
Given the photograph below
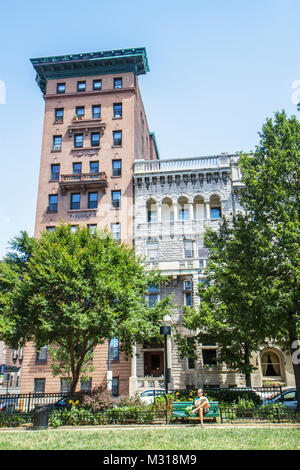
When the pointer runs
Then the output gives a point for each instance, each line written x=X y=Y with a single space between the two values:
x=175 y=200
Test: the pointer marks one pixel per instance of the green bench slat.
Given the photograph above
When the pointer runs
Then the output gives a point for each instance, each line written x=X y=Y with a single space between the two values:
x=180 y=406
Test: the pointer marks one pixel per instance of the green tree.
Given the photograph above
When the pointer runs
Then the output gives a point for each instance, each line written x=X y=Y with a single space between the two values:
x=231 y=301
x=74 y=291
x=254 y=260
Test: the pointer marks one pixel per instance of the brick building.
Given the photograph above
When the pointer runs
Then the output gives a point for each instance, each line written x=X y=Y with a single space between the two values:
x=95 y=127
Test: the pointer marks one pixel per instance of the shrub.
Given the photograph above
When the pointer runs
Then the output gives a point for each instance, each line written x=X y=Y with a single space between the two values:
x=99 y=399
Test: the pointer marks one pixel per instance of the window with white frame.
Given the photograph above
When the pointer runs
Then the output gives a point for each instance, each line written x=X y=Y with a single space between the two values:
x=116 y=231
x=188 y=248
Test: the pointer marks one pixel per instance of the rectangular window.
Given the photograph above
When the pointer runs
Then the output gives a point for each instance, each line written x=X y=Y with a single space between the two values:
x=116 y=167
x=57 y=139
x=53 y=198
x=117 y=137
x=116 y=231
x=97 y=84
x=209 y=357
x=188 y=299
x=60 y=88
x=65 y=385
x=50 y=228
x=190 y=361
x=187 y=285
x=81 y=86
x=118 y=82
x=115 y=387
x=59 y=115
x=92 y=200
x=77 y=167
x=78 y=140
x=39 y=386
x=41 y=355
x=152 y=250
x=74 y=228
x=79 y=111
x=92 y=227
x=117 y=110
x=114 y=349
x=55 y=168
x=75 y=201
x=95 y=139
x=188 y=249
x=94 y=167
x=96 y=111
x=116 y=199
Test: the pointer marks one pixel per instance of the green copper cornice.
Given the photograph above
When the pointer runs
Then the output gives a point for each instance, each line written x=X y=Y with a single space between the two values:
x=90 y=63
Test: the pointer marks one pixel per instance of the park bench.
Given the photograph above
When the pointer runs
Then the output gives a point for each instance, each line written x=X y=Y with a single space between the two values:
x=179 y=408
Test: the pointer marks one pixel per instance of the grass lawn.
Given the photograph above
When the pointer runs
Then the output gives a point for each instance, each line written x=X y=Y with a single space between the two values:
x=191 y=438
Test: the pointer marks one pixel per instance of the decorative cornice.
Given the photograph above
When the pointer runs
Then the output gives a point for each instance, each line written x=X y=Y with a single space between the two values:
x=90 y=63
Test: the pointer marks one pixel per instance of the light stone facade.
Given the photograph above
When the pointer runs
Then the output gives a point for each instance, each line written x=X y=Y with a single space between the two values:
x=175 y=200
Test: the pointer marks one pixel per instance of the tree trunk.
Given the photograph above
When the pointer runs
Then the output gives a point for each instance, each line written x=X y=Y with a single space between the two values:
x=247 y=363
x=295 y=355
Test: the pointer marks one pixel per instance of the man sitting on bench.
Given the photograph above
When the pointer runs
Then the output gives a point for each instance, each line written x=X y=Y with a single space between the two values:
x=201 y=405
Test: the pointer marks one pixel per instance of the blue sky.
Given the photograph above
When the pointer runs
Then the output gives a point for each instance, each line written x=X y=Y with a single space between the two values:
x=218 y=69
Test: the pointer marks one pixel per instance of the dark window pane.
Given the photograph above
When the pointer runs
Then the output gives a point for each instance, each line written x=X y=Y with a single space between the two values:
x=97 y=84
x=59 y=114
x=118 y=82
x=80 y=86
x=77 y=168
x=114 y=349
x=93 y=201
x=117 y=137
x=78 y=140
x=39 y=385
x=95 y=139
x=80 y=111
x=53 y=202
x=209 y=357
x=57 y=142
x=60 y=88
x=94 y=167
x=117 y=109
x=116 y=198
x=115 y=387
x=75 y=201
x=215 y=213
x=96 y=111
x=55 y=172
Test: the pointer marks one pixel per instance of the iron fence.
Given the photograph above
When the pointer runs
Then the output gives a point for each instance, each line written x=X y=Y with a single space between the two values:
x=26 y=402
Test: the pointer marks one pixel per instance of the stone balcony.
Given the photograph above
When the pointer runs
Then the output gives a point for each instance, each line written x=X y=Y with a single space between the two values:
x=82 y=182
x=176 y=228
x=182 y=164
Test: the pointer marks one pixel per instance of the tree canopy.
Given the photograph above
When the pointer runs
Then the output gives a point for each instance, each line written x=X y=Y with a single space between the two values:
x=75 y=291
x=254 y=271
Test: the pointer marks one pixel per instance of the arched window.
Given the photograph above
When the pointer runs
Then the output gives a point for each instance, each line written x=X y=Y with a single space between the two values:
x=271 y=366
x=199 y=210
x=167 y=212
x=183 y=209
x=215 y=207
